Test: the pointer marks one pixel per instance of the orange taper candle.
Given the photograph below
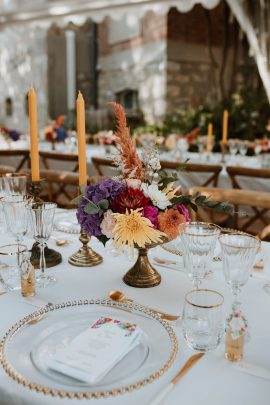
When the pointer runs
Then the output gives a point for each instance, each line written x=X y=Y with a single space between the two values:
x=33 y=126
x=81 y=140
x=209 y=138
x=225 y=127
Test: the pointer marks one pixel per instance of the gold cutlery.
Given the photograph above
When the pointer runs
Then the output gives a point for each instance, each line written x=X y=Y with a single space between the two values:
x=120 y=297
x=3 y=292
x=190 y=362
x=163 y=261
x=259 y=265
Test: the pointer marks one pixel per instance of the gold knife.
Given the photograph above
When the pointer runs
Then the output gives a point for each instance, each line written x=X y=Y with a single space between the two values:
x=190 y=362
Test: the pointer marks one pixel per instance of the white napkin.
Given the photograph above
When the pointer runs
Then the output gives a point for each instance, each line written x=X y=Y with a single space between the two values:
x=93 y=353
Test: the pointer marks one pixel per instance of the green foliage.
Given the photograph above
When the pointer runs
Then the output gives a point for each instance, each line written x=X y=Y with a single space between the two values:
x=249 y=112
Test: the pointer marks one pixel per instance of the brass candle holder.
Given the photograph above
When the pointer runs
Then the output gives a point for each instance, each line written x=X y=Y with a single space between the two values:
x=52 y=257
x=85 y=256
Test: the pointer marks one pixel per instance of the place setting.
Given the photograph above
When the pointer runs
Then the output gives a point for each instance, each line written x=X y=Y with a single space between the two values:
x=134 y=202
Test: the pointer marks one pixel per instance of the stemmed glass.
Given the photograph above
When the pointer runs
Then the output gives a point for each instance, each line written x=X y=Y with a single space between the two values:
x=243 y=148
x=2 y=194
x=15 y=183
x=238 y=255
x=198 y=240
x=41 y=219
x=203 y=323
x=15 y=210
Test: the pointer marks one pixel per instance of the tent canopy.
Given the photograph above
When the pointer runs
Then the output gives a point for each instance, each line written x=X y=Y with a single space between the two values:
x=42 y=12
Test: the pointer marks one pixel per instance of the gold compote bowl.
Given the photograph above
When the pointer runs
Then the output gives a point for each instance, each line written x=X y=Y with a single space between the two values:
x=142 y=274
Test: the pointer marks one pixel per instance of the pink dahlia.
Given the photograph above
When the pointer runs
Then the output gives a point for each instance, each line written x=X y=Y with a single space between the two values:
x=183 y=210
x=151 y=213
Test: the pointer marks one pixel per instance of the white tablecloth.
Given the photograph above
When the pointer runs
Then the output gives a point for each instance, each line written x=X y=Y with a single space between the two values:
x=212 y=381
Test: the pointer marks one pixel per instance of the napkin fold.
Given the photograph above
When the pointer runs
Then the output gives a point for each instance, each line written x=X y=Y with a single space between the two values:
x=94 y=352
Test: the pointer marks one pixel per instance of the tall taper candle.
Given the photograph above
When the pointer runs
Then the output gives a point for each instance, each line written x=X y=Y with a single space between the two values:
x=33 y=126
x=209 y=138
x=81 y=140
x=225 y=127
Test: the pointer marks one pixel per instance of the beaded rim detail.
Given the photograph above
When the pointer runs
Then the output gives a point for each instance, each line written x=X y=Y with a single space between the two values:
x=86 y=395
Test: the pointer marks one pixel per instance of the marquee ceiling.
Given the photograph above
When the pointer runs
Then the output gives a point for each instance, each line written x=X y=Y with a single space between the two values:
x=43 y=12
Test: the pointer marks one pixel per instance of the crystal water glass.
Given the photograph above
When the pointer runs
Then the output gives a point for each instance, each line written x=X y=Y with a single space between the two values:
x=15 y=210
x=15 y=183
x=2 y=194
x=203 y=320
x=198 y=241
x=41 y=219
x=243 y=148
x=238 y=255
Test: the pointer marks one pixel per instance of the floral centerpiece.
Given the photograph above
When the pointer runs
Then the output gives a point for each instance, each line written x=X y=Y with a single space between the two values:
x=10 y=134
x=140 y=207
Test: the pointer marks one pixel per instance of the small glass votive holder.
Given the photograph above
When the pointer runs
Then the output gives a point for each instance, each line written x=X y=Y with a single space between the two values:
x=10 y=257
x=27 y=275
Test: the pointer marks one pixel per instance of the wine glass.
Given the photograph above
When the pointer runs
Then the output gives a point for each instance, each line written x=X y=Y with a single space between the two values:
x=15 y=210
x=15 y=183
x=41 y=219
x=243 y=148
x=198 y=240
x=238 y=255
x=2 y=194
x=203 y=323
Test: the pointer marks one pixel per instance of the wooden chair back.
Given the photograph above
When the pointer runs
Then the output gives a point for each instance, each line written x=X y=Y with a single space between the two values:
x=210 y=173
x=69 y=158
x=103 y=166
x=6 y=169
x=237 y=174
x=20 y=158
x=242 y=200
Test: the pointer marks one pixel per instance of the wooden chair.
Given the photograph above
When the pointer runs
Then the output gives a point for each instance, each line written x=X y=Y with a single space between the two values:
x=70 y=158
x=237 y=174
x=210 y=173
x=6 y=169
x=101 y=164
x=13 y=155
x=59 y=186
x=238 y=198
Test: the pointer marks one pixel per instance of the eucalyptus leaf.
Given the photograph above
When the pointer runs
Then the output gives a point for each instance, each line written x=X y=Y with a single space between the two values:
x=91 y=208
x=77 y=200
x=103 y=204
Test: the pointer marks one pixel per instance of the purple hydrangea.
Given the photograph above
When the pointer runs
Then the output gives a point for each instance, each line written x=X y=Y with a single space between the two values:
x=104 y=190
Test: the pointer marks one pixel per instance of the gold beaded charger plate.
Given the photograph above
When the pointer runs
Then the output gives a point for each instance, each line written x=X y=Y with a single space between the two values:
x=66 y=221
x=26 y=347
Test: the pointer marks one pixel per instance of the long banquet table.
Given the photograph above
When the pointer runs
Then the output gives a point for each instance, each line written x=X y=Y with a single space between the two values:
x=213 y=380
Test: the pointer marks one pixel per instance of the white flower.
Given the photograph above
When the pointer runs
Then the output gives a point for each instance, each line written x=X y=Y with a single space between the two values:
x=134 y=183
x=108 y=223
x=158 y=198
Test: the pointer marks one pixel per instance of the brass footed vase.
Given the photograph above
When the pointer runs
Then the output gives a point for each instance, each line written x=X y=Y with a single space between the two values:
x=142 y=274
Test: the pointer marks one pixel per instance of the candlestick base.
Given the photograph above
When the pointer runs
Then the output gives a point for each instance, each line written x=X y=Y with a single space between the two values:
x=52 y=257
x=85 y=256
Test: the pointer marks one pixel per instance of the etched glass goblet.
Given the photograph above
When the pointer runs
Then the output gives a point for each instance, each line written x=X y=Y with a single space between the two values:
x=198 y=241
x=41 y=219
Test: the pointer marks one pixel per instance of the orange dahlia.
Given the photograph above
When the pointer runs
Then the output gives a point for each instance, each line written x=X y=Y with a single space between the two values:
x=169 y=221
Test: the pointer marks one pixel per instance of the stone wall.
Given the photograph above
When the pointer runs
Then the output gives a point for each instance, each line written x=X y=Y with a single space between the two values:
x=23 y=63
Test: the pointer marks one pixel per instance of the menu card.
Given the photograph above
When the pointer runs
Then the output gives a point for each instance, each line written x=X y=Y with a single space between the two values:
x=93 y=353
